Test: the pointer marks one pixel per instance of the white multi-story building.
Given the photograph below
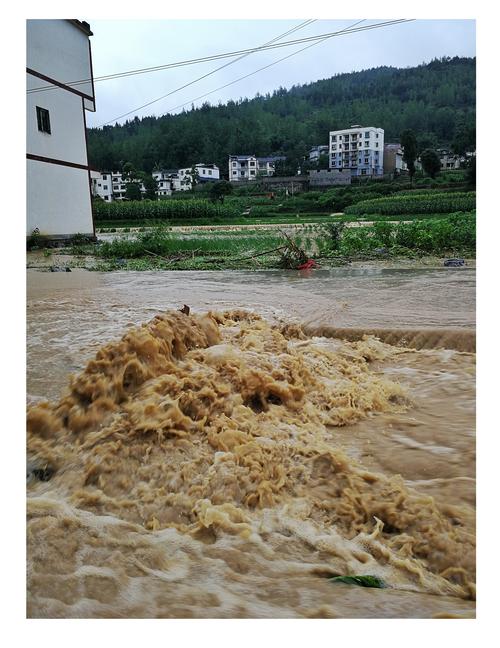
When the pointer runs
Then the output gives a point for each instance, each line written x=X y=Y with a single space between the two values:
x=58 y=174
x=111 y=185
x=101 y=185
x=358 y=148
x=204 y=173
x=165 y=180
x=119 y=185
x=250 y=167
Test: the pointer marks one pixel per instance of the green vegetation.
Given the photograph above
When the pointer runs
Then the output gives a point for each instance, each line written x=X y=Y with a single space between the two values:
x=435 y=100
x=163 y=243
x=142 y=210
x=332 y=243
x=452 y=234
x=431 y=162
x=416 y=203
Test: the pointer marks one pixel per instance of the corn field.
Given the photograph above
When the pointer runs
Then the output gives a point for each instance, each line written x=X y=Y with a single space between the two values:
x=143 y=210
x=416 y=203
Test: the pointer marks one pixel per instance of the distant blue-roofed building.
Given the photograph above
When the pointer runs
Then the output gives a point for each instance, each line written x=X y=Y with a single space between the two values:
x=250 y=167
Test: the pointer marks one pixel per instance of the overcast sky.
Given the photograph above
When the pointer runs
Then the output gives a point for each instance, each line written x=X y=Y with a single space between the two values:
x=122 y=45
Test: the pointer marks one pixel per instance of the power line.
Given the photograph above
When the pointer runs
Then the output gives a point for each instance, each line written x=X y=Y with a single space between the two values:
x=149 y=103
x=348 y=29
x=252 y=73
x=218 y=56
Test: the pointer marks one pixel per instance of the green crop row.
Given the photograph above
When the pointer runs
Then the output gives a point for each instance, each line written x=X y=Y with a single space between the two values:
x=416 y=203
x=161 y=210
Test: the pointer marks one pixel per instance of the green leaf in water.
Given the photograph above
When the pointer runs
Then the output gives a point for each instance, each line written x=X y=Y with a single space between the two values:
x=363 y=581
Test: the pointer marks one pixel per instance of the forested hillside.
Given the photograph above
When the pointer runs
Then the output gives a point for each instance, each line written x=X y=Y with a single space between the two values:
x=437 y=100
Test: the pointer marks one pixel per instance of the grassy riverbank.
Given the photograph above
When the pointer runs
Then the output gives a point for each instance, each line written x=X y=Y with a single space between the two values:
x=330 y=244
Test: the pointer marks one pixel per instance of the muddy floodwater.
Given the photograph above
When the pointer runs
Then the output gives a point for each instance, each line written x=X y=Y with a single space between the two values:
x=229 y=463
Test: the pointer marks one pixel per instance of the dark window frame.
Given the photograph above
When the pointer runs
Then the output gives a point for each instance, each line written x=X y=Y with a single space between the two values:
x=43 y=120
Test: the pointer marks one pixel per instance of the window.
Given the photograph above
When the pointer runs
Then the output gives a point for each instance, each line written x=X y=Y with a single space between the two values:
x=242 y=173
x=43 y=119
x=376 y=144
x=209 y=172
x=334 y=164
x=367 y=144
x=376 y=135
x=252 y=163
x=106 y=197
x=235 y=173
x=105 y=187
x=334 y=138
x=334 y=147
x=252 y=172
x=104 y=177
x=367 y=134
x=234 y=164
x=363 y=171
x=366 y=160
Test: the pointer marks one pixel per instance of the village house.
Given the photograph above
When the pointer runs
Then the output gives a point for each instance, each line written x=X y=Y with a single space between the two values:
x=393 y=159
x=204 y=173
x=317 y=151
x=101 y=185
x=111 y=185
x=165 y=179
x=359 y=149
x=250 y=167
x=58 y=175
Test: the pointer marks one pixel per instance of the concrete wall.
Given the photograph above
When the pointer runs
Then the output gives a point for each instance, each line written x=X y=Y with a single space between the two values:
x=63 y=214
x=329 y=178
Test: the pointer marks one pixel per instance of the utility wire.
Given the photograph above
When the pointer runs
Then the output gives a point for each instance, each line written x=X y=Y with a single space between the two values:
x=301 y=26
x=214 y=57
x=252 y=73
x=265 y=67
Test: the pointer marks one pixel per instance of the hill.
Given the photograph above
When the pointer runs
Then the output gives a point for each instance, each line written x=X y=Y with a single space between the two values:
x=437 y=100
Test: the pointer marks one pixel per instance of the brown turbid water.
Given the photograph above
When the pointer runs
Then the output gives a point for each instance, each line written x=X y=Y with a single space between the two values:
x=230 y=462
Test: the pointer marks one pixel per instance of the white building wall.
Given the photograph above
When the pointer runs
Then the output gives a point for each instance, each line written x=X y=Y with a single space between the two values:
x=58 y=180
x=67 y=137
x=59 y=50
x=51 y=214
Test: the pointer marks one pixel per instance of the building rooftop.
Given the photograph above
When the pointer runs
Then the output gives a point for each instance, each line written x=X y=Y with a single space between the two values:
x=82 y=25
x=275 y=158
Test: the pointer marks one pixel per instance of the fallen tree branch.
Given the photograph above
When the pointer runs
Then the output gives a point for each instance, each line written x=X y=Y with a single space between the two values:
x=254 y=256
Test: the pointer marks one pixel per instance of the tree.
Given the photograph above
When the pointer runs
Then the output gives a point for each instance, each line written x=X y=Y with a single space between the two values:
x=323 y=162
x=133 y=191
x=194 y=177
x=219 y=190
x=471 y=172
x=129 y=172
x=409 y=146
x=431 y=163
x=151 y=186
